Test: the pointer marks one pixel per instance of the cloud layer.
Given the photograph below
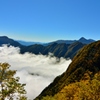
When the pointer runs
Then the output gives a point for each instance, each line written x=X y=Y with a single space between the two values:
x=37 y=71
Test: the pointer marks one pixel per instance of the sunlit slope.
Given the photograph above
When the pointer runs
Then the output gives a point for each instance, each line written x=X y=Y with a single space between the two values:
x=87 y=59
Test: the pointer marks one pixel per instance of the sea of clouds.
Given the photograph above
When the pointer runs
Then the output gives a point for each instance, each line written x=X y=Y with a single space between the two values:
x=36 y=71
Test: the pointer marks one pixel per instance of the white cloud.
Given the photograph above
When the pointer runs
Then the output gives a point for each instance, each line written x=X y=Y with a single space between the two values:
x=37 y=71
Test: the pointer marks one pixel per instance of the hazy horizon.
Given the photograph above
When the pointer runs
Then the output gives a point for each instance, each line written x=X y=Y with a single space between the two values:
x=45 y=42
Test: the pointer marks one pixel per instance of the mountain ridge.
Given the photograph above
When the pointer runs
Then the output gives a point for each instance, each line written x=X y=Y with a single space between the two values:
x=58 y=49
x=82 y=40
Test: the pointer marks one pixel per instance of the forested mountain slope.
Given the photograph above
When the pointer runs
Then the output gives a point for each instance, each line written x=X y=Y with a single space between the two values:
x=86 y=60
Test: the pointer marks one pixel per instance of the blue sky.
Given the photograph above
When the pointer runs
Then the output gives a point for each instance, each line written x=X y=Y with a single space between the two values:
x=49 y=20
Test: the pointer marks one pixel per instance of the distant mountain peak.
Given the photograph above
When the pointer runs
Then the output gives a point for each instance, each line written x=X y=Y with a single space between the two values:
x=82 y=38
x=85 y=41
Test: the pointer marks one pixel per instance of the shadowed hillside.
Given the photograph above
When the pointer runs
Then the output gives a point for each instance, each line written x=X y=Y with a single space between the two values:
x=58 y=50
x=87 y=60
